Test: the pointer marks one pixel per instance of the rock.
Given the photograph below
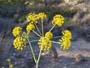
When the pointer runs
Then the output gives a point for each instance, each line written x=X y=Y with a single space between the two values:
x=72 y=2
x=86 y=19
x=81 y=19
x=79 y=59
x=77 y=18
x=86 y=34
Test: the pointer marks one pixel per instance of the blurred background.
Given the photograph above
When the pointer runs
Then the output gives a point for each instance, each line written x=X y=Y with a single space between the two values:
x=77 y=20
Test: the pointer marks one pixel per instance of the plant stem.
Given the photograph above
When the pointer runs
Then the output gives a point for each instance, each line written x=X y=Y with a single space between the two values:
x=37 y=29
x=32 y=50
x=9 y=63
x=42 y=27
x=36 y=33
x=34 y=41
x=38 y=58
x=57 y=37
x=52 y=28
x=39 y=55
x=54 y=42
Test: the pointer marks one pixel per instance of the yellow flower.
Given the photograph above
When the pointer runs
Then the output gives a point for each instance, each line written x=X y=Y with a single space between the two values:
x=65 y=40
x=58 y=20
x=30 y=27
x=42 y=15
x=19 y=43
x=49 y=35
x=65 y=43
x=32 y=17
x=67 y=34
x=44 y=43
x=11 y=66
x=16 y=31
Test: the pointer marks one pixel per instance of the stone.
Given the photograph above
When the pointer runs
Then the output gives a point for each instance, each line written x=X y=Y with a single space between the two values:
x=79 y=59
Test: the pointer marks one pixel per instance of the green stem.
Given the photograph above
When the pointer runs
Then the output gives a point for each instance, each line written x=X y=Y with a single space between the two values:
x=32 y=37
x=52 y=28
x=37 y=29
x=57 y=37
x=42 y=27
x=34 y=41
x=32 y=50
x=9 y=63
x=54 y=42
x=36 y=33
x=37 y=63
x=39 y=56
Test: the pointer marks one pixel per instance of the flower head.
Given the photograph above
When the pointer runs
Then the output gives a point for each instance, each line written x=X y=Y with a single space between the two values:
x=67 y=34
x=11 y=66
x=19 y=43
x=32 y=17
x=49 y=35
x=42 y=15
x=65 y=43
x=16 y=31
x=44 y=43
x=30 y=27
x=58 y=20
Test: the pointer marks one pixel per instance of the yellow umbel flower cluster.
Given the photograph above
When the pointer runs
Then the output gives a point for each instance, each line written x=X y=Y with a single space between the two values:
x=16 y=31
x=65 y=41
x=44 y=43
x=20 y=39
x=33 y=17
x=43 y=39
x=49 y=35
x=19 y=43
x=30 y=27
x=58 y=20
x=42 y=15
x=11 y=66
x=67 y=34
